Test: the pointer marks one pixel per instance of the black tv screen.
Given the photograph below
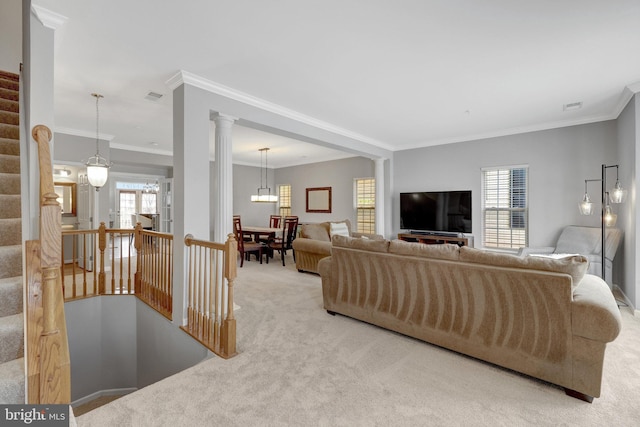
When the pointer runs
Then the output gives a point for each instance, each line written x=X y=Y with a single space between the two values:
x=436 y=211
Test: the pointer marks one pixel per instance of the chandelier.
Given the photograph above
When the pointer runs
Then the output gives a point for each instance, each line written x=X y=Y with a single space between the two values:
x=151 y=188
x=261 y=197
x=97 y=166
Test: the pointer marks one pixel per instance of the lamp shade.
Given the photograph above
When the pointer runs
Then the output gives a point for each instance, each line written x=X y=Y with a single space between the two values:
x=585 y=206
x=618 y=194
x=97 y=174
x=609 y=217
x=264 y=198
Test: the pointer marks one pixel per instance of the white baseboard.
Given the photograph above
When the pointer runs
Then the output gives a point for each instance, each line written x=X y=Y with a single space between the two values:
x=101 y=393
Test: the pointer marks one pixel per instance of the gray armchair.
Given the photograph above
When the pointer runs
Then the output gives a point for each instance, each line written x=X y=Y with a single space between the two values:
x=585 y=241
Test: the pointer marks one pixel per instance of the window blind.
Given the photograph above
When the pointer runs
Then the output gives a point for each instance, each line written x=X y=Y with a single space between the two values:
x=365 y=205
x=284 y=199
x=505 y=207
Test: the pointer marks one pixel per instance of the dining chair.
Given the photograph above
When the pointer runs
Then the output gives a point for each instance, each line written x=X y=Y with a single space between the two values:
x=246 y=238
x=246 y=248
x=274 y=221
x=284 y=241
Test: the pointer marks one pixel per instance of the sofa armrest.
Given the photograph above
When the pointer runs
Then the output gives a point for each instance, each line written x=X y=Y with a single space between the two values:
x=594 y=312
x=304 y=244
x=367 y=235
x=541 y=250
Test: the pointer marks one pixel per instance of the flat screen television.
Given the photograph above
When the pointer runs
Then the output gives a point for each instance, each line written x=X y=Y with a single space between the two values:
x=436 y=211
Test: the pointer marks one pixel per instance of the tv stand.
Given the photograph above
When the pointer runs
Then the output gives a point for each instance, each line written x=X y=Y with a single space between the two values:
x=436 y=239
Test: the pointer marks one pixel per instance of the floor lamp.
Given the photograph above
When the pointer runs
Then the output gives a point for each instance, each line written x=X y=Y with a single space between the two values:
x=607 y=218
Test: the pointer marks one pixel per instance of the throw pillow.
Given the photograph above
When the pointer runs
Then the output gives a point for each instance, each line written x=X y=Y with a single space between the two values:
x=338 y=229
x=445 y=251
x=361 y=244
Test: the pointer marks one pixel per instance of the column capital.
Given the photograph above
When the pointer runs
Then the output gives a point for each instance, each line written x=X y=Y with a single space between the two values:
x=223 y=118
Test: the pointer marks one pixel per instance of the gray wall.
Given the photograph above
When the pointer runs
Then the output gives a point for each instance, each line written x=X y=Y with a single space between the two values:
x=559 y=161
x=163 y=349
x=102 y=344
x=11 y=36
x=120 y=343
x=337 y=174
x=628 y=141
x=246 y=180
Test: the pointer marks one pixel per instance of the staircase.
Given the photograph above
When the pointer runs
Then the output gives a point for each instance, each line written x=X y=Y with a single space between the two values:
x=12 y=374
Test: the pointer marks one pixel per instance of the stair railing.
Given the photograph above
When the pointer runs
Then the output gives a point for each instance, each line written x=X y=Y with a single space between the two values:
x=47 y=347
x=212 y=270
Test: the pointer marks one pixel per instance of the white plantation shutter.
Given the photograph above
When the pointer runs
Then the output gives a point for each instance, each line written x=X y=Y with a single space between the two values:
x=365 y=205
x=505 y=222
x=284 y=199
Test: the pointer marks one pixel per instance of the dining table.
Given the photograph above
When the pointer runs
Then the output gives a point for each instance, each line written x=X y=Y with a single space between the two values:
x=256 y=232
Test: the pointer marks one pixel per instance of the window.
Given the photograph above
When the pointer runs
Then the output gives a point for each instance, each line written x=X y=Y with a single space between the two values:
x=365 y=205
x=149 y=201
x=127 y=208
x=284 y=199
x=505 y=210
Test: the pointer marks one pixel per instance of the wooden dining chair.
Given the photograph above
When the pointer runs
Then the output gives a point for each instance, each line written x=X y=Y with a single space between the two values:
x=274 y=221
x=283 y=242
x=246 y=248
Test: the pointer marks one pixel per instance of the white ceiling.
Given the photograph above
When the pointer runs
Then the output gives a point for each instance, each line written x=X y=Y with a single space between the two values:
x=403 y=74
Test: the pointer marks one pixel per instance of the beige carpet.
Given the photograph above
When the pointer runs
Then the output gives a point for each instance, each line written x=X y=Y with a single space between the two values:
x=299 y=366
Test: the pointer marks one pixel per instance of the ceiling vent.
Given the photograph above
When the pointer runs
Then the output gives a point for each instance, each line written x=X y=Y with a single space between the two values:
x=572 y=106
x=153 y=96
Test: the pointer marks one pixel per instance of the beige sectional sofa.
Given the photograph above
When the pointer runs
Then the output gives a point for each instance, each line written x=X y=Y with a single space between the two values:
x=543 y=317
x=314 y=243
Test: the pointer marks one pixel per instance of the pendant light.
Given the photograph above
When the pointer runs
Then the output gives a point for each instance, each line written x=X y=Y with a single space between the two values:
x=260 y=197
x=97 y=166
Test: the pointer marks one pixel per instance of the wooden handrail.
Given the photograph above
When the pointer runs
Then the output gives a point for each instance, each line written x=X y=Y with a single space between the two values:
x=47 y=348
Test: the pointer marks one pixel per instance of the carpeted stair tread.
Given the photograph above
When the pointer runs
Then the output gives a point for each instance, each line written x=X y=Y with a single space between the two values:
x=10 y=183
x=10 y=296
x=10 y=261
x=9 y=84
x=9 y=131
x=11 y=337
x=8 y=105
x=9 y=94
x=10 y=206
x=10 y=232
x=10 y=146
x=9 y=118
x=9 y=76
x=9 y=163
x=12 y=377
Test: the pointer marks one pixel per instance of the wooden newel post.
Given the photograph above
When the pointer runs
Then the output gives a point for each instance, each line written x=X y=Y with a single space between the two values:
x=228 y=343
x=54 y=376
x=102 y=246
x=137 y=243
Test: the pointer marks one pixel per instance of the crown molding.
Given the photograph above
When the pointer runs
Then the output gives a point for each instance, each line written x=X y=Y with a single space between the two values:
x=185 y=77
x=83 y=133
x=48 y=18
x=141 y=149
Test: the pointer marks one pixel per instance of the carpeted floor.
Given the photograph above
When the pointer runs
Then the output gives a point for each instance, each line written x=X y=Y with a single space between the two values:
x=300 y=366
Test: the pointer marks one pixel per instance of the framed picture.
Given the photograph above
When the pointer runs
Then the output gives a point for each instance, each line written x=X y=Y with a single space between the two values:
x=319 y=200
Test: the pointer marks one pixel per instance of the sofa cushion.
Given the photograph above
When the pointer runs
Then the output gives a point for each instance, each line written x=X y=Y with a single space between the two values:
x=575 y=265
x=338 y=229
x=446 y=251
x=319 y=231
x=362 y=244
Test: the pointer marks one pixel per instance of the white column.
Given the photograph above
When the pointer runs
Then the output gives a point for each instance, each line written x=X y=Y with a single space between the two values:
x=223 y=205
x=380 y=196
